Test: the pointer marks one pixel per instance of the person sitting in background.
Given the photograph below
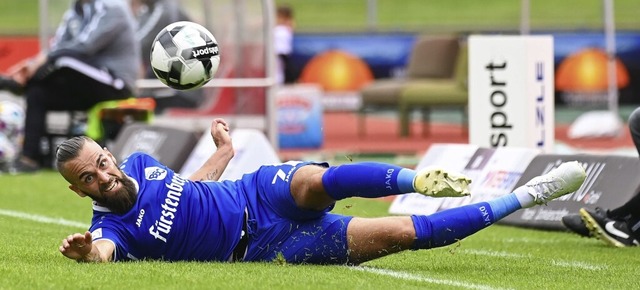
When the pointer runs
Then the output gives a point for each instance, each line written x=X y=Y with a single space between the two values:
x=619 y=227
x=152 y=16
x=93 y=57
x=283 y=41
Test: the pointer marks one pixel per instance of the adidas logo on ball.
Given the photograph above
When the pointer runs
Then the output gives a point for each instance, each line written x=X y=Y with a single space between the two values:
x=207 y=51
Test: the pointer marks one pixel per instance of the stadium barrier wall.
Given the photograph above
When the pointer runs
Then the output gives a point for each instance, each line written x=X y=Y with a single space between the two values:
x=252 y=150
x=15 y=49
x=170 y=146
x=184 y=152
x=611 y=181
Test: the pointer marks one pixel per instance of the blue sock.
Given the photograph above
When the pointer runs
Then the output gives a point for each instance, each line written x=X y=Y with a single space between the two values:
x=449 y=226
x=367 y=179
x=504 y=206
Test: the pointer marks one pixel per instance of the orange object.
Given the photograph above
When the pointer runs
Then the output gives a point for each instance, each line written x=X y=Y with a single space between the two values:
x=148 y=104
x=586 y=71
x=141 y=108
x=337 y=70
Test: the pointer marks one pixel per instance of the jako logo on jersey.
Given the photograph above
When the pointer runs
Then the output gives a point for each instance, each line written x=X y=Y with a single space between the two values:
x=155 y=173
x=140 y=216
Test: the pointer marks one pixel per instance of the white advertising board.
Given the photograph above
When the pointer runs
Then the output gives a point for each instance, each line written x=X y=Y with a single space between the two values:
x=493 y=171
x=511 y=100
x=252 y=150
x=452 y=157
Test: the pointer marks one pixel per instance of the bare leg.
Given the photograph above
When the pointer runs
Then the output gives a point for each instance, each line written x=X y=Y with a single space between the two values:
x=372 y=238
x=307 y=189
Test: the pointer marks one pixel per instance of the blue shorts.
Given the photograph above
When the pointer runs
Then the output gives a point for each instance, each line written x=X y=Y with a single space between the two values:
x=277 y=226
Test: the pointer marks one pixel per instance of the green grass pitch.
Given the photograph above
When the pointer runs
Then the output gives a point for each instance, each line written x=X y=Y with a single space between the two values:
x=37 y=211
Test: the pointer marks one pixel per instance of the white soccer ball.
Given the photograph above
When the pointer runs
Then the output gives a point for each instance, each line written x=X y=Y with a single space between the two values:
x=11 y=120
x=8 y=151
x=185 y=55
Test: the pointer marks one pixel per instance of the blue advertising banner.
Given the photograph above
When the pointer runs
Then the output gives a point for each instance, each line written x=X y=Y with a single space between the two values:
x=384 y=53
x=387 y=54
x=299 y=116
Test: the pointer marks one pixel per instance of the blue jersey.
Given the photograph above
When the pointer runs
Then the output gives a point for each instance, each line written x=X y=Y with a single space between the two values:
x=178 y=219
x=173 y=218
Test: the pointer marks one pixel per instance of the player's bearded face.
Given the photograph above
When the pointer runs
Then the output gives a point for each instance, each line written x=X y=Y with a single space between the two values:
x=120 y=200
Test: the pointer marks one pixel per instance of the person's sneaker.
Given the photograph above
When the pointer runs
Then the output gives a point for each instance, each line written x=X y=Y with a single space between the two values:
x=566 y=178
x=574 y=223
x=8 y=84
x=612 y=232
x=437 y=182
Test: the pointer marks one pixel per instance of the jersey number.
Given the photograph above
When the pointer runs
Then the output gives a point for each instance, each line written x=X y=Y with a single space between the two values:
x=280 y=174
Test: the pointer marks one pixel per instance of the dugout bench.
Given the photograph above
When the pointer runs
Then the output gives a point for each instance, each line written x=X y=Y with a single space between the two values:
x=102 y=123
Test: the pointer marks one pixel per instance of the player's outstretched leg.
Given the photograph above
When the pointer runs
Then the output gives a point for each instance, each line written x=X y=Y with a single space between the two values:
x=370 y=179
x=449 y=226
x=566 y=178
x=437 y=182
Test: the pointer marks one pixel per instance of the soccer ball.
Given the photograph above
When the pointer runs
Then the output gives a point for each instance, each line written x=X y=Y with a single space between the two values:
x=8 y=151
x=184 y=55
x=11 y=131
x=11 y=120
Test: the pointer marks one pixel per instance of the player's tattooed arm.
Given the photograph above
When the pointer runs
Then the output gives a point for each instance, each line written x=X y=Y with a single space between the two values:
x=93 y=257
x=211 y=175
x=217 y=163
x=214 y=166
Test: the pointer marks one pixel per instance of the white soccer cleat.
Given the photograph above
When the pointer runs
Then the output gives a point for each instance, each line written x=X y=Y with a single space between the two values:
x=566 y=178
x=436 y=182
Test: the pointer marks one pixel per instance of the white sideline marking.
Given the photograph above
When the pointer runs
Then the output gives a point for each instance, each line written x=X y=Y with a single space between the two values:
x=42 y=219
x=494 y=254
x=559 y=263
x=525 y=240
x=412 y=277
x=576 y=264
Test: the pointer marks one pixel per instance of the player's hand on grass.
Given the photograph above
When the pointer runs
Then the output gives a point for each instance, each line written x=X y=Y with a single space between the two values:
x=77 y=246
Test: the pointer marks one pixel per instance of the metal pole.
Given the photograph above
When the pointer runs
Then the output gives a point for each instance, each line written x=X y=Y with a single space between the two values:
x=270 y=73
x=610 y=43
x=372 y=14
x=43 y=25
x=240 y=40
x=208 y=7
x=525 y=11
